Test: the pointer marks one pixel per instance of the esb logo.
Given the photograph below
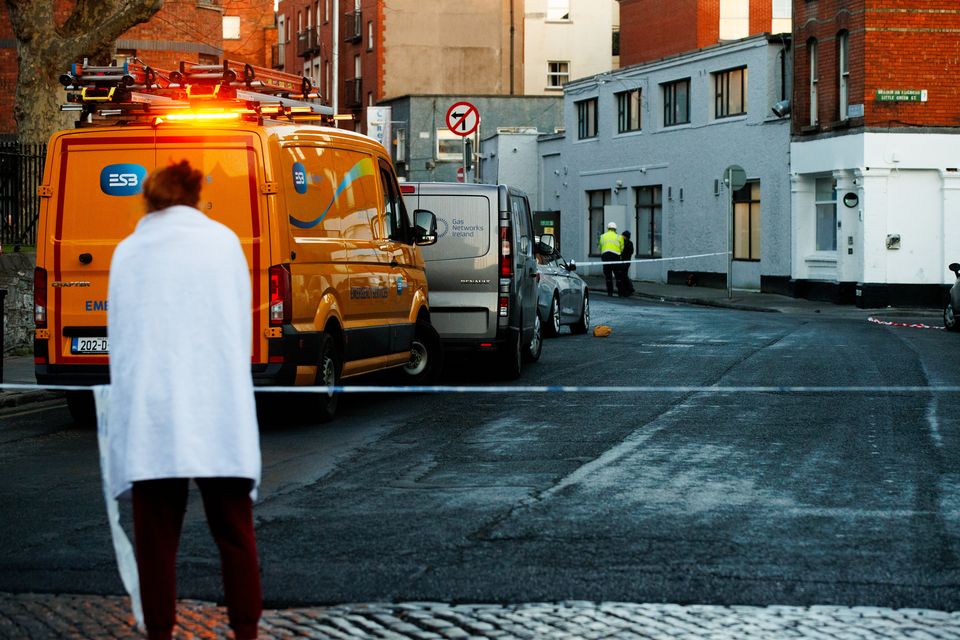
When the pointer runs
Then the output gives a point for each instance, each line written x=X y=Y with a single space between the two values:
x=299 y=177
x=122 y=179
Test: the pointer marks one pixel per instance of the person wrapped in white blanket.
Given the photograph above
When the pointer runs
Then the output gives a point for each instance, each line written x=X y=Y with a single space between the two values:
x=181 y=399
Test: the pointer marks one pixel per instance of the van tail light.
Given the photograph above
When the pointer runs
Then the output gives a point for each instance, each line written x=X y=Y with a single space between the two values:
x=281 y=308
x=506 y=253
x=40 y=297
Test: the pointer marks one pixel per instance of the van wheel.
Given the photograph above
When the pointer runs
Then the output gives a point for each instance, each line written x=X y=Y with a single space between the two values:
x=328 y=375
x=82 y=408
x=533 y=350
x=552 y=327
x=511 y=358
x=583 y=324
x=426 y=355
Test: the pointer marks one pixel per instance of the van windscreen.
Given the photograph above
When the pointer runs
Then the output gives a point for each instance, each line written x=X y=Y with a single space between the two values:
x=463 y=226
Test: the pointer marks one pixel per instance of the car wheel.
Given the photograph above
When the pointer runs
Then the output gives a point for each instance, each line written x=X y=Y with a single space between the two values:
x=82 y=408
x=552 y=327
x=533 y=350
x=510 y=356
x=949 y=319
x=426 y=355
x=328 y=375
x=583 y=324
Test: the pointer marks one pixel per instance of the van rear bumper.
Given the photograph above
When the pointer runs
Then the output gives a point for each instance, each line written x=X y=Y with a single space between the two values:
x=83 y=375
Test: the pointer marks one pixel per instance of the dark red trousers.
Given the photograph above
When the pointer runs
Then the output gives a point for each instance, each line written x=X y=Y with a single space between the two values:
x=158 y=510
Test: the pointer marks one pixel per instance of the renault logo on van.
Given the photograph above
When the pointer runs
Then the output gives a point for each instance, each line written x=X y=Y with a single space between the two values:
x=122 y=179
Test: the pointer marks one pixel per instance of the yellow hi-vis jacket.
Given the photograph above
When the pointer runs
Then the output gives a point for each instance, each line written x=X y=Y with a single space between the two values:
x=611 y=241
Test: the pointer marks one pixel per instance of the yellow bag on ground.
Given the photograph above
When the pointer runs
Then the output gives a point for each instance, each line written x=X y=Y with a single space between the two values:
x=602 y=331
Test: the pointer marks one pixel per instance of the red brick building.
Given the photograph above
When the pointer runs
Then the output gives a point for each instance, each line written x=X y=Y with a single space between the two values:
x=875 y=169
x=435 y=47
x=851 y=54
x=651 y=29
x=249 y=31
x=182 y=30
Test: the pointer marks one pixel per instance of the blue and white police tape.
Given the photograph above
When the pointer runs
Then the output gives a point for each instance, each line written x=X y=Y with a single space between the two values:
x=541 y=389
x=649 y=260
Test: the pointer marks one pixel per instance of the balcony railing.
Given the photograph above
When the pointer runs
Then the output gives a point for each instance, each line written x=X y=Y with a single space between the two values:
x=354 y=94
x=276 y=56
x=308 y=43
x=353 y=26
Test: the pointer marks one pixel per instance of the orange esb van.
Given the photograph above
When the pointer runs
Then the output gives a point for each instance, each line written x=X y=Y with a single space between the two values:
x=337 y=277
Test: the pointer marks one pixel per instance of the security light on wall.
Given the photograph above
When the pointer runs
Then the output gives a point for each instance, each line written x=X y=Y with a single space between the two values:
x=782 y=108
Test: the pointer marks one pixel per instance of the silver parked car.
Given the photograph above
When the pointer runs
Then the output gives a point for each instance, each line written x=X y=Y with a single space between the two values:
x=953 y=301
x=563 y=298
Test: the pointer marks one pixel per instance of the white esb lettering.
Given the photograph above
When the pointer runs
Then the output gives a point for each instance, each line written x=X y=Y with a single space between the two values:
x=123 y=180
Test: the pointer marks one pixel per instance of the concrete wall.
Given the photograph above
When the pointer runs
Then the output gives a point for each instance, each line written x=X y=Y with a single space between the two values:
x=590 y=26
x=16 y=276
x=512 y=158
x=907 y=184
x=685 y=158
x=418 y=118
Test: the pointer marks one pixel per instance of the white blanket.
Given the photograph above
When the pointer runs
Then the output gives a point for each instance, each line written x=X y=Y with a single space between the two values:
x=179 y=322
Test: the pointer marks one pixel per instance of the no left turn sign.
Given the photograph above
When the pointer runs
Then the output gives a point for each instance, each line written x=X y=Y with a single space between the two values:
x=463 y=118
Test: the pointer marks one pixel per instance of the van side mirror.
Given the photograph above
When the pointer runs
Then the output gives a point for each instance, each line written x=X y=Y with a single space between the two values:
x=955 y=267
x=424 y=227
x=571 y=266
x=547 y=244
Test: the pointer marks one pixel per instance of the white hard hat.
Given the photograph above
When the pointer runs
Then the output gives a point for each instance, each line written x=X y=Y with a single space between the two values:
x=611 y=225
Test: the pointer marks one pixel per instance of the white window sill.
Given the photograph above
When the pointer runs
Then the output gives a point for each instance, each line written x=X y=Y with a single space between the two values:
x=824 y=259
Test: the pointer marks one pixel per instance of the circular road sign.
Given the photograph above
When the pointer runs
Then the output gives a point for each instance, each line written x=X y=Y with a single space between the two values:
x=461 y=174
x=463 y=118
x=736 y=176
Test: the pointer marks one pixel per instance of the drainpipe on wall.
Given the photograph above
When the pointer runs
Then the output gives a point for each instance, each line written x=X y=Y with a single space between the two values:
x=336 y=57
x=513 y=29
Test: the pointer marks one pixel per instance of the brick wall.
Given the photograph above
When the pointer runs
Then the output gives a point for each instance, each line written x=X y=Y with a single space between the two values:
x=648 y=31
x=182 y=30
x=257 y=31
x=893 y=44
x=16 y=277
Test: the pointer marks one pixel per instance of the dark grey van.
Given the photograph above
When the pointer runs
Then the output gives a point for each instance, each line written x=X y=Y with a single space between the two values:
x=482 y=273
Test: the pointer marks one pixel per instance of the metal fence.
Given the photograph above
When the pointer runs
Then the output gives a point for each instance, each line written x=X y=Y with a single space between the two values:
x=21 y=169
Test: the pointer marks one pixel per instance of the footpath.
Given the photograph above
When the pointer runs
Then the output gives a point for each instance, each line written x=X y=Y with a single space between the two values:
x=41 y=616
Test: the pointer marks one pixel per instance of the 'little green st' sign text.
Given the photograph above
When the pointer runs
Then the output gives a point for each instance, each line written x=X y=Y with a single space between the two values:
x=901 y=95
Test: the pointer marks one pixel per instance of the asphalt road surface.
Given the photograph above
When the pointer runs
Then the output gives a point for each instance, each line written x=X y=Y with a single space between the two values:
x=847 y=498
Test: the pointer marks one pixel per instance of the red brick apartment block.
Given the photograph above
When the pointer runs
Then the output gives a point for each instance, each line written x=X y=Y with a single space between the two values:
x=652 y=29
x=902 y=46
x=183 y=30
x=256 y=31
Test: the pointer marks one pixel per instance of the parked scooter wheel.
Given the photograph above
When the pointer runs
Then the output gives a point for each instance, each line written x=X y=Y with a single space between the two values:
x=950 y=318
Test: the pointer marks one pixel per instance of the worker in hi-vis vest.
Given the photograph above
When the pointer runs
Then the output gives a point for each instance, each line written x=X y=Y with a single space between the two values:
x=610 y=246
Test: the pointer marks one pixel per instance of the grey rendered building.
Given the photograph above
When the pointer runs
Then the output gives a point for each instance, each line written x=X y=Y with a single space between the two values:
x=647 y=146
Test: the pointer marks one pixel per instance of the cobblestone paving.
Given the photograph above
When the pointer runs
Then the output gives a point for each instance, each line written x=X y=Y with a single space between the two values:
x=33 y=617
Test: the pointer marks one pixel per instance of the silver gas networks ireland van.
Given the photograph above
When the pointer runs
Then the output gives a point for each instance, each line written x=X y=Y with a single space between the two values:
x=482 y=272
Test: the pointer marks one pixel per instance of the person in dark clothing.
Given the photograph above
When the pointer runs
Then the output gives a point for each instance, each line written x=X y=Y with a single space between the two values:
x=624 y=285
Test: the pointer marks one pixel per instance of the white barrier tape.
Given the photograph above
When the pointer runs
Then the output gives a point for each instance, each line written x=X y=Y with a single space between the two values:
x=556 y=389
x=911 y=325
x=649 y=260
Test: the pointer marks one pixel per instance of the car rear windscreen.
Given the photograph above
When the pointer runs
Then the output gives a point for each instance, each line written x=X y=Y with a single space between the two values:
x=463 y=226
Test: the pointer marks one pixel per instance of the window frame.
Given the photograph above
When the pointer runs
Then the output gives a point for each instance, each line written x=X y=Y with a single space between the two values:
x=744 y=196
x=812 y=63
x=562 y=76
x=596 y=226
x=445 y=135
x=843 y=74
x=626 y=105
x=653 y=234
x=669 y=92
x=549 y=15
x=722 y=93
x=817 y=204
x=587 y=119
x=239 y=30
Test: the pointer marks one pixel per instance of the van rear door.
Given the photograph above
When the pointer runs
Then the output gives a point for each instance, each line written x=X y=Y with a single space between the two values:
x=96 y=182
x=231 y=162
x=462 y=265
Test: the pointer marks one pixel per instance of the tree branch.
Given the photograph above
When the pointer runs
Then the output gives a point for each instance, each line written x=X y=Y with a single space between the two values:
x=94 y=22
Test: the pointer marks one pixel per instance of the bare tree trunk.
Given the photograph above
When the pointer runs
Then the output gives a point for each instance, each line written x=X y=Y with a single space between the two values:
x=45 y=51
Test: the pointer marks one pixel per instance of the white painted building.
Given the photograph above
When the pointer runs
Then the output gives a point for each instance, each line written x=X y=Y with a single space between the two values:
x=872 y=216
x=646 y=147
x=567 y=39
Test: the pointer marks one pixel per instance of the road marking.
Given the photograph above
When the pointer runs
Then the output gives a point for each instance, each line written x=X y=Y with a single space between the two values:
x=54 y=405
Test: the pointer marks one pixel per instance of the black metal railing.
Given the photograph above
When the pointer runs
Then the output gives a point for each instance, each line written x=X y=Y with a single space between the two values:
x=354 y=95
x=353 y=26
x=308 y=43
x=21 y=170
